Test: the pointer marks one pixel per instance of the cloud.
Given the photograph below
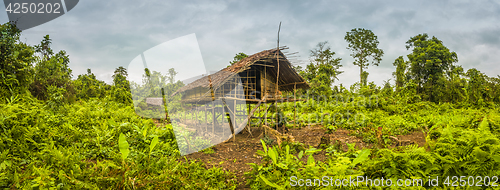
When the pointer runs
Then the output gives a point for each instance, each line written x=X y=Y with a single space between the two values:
x=103 y=35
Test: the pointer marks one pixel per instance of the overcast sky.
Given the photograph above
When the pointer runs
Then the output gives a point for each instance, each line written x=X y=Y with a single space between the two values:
x=103 y=35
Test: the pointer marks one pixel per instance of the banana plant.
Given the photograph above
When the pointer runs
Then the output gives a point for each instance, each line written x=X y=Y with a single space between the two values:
x=123 y=146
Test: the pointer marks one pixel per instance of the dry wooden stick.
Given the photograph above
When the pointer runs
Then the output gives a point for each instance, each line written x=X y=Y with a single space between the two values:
x=279 y=136
x=277 y=73
x=233 y=130
x=399 y=142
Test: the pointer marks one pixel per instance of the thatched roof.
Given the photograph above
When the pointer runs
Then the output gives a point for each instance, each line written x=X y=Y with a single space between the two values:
x=288 y=77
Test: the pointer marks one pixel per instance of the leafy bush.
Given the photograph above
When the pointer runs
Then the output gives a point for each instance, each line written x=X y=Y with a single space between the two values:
x=83 y=146
x=280 y=167
x=454 y=151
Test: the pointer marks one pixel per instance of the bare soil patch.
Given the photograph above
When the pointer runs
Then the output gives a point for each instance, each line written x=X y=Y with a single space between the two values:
x=234 y=156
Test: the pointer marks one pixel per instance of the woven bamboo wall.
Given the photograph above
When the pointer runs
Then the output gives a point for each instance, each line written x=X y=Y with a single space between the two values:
x=268 y=83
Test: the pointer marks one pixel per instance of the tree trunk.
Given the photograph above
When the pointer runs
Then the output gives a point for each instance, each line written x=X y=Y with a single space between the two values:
x=361 y=75
x=361 y=69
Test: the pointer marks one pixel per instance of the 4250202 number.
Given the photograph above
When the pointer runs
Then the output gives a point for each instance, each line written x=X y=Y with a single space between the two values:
x=33 y=8
x=471 y=181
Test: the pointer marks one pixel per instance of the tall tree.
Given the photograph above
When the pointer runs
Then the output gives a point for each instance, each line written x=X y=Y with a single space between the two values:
x=44 y=47
x=88 y=86
x=429 y=61
x=456 y=84
x=323 y=68
x=51 y=70
x=171 y=75
x=120 y=71
x=364 y=78
x=364 y=45
x=477 y=89
x=121 y=89
x=120 y=78
x=400 y=74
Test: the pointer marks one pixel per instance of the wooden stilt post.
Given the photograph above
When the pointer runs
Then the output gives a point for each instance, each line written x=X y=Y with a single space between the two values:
x=248 y=109
x=222 y=115
x=213 y=118
x=213 y=104
x=247 y=93
x=294 y=105
x=277 y=77
x=265 y=115
x=231 y=126
x=206 y=120
x=234 y=103
x=196 y=115
x=229 y=119
x=251 y=113
x=235 y=112
x=222 y=110
x=265 y=90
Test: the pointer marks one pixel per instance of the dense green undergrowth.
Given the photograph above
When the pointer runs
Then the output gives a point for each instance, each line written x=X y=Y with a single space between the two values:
x=77 y=147
x=460 y=141
x=60 y=133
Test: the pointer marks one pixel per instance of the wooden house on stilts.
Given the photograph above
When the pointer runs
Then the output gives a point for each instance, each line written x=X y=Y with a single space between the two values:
x=257 y=79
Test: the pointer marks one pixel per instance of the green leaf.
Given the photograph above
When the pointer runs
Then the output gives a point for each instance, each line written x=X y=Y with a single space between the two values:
x=254 y=166
x=483 y=126
x=263 y=145
x=496 y=158
x=112 y=123
x=273 y=155
x=123 y=145
x=311 y=151
x=363 y=155
x=261 y=153
x=145 y=131
x=283 y=166
x=153 y=144
x=270 y=183
x=135 y=127
x=301 y=153
x=351 y=146
x=310 y=160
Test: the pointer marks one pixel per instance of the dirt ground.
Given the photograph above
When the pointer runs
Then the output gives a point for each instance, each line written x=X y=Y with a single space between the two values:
x=235 y=155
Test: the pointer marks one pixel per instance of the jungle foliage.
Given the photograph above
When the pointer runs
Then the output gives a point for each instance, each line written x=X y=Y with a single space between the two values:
x=59 y=133
x=65 y=133
x=457 y=111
